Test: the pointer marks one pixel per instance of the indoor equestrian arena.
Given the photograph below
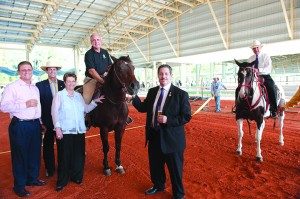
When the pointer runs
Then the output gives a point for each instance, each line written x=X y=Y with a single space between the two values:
x=120 y=47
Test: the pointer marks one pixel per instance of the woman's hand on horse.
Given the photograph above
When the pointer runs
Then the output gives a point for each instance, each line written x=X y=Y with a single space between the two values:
x=99 y=99
x=129 y=97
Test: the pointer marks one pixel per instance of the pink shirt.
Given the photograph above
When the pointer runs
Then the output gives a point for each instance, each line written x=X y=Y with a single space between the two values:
x=14 y=100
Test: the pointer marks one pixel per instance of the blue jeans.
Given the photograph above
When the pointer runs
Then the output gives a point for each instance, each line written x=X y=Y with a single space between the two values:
x=218 y=103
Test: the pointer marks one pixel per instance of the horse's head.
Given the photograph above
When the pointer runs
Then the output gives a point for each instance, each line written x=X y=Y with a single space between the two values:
x=246 y=75
x=123 y=70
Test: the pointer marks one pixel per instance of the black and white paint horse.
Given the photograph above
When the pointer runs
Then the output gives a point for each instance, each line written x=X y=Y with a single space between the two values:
x=251 y=104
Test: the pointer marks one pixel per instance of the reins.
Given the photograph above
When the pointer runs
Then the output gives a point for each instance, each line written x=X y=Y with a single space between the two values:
x=249 y=86
x=109 y=89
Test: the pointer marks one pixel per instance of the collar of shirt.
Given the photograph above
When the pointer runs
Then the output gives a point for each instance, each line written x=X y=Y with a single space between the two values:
x=166 y=88
x=21 y=82
x=52 y=82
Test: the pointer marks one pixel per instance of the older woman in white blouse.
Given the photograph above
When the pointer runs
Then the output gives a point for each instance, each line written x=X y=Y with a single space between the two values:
x=68 y=109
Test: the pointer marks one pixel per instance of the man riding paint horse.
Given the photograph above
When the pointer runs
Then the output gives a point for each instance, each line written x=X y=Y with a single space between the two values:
x=263 y=63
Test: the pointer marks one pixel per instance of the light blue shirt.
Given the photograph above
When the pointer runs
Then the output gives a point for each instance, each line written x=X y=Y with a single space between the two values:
x=68 y=112
x=216 y=88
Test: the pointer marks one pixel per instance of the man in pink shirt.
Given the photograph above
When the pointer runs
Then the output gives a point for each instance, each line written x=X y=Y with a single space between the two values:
x=21 y=99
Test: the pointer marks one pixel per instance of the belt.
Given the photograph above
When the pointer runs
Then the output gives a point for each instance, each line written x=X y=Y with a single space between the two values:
x=24 y=120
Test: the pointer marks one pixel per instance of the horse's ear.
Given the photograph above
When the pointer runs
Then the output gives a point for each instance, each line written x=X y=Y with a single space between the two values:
x=113 y=58
x=237 y=62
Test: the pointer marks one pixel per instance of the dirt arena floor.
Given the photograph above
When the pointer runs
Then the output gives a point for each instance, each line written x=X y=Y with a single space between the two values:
x=211 y=167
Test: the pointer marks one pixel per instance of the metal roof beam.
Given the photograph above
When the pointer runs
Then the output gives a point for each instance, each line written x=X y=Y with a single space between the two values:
x=45 y=18
x=159 y=5
x=81 y=8
x=15 y=36
x=286 y=18
x=46 y=2
x=20 y=21
x=217 y=23
x=15 y=29
x=22 y=10
x=162 y=28
x=191 y=4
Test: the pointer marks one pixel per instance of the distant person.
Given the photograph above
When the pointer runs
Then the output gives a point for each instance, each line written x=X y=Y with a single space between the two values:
x=263 y=63
x=216 y=87
x=21 y=99
x=168 y=110
x=68 y=108
x=48 y=88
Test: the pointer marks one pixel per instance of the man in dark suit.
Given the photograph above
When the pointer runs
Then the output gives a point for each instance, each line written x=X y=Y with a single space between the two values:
x=168 y=110
x=48 y=88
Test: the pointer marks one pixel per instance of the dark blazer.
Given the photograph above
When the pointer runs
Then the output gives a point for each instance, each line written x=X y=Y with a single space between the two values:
x=178 y=111
x=46 y=100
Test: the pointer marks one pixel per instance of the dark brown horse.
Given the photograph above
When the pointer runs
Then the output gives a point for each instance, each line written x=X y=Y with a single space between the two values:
x=111 y=115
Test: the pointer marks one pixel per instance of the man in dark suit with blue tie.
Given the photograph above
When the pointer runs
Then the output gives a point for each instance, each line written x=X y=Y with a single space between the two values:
x=168 y=110
x=48 y=88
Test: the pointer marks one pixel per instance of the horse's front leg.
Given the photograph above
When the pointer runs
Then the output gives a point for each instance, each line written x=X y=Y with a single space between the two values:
x=259 y=130
x=281 y=123
x=239 y=123
x=118 y=143
x=105 y=149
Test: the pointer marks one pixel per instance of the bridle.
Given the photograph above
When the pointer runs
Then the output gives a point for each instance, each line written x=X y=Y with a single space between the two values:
x=119 y=81
x=249 y=85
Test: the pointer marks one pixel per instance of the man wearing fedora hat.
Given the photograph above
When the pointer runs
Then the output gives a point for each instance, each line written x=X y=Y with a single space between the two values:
x=48 y=88
x=263 y=63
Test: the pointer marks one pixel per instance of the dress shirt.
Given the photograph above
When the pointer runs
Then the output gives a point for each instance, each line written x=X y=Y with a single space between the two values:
x=14 y=100
x=53 y=87
x=166 y=93
x=264 y=63
x=68 y=112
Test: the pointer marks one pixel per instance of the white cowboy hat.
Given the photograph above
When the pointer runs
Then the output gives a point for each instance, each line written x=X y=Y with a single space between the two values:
x=49 y=64
x=255 y=44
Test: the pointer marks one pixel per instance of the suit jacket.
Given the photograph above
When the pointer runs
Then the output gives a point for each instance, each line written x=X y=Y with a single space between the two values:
x=46 y=100
x=178 y=111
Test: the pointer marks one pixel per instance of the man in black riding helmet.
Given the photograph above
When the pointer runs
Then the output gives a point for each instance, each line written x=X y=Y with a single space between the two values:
x=263 y=63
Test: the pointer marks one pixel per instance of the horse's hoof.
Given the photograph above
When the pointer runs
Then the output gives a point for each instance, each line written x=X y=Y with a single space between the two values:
x=281 y=143
x=120 y=169
x=259 y=159
x=107 y=172
x=239 y=153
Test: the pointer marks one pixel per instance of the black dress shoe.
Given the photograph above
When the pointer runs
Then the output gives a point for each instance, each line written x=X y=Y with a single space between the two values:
x=36 y=183
x=23 y=193
x=153 y=190
x=59 y=188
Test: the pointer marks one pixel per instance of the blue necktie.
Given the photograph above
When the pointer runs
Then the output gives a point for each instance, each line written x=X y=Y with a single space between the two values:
x=256 y=62
x=158 y=104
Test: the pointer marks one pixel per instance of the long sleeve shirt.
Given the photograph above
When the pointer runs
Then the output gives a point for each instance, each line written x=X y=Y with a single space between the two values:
x=68 y=112
x=14 y=100
x=264 y=63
